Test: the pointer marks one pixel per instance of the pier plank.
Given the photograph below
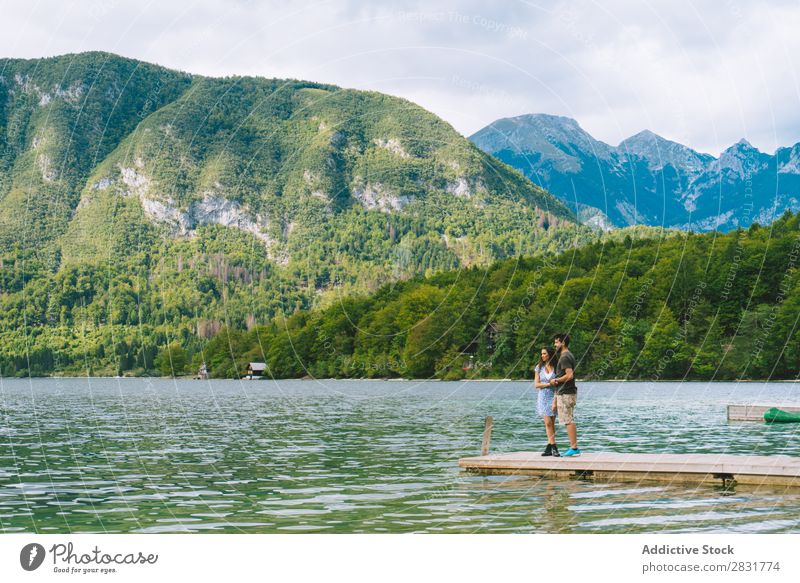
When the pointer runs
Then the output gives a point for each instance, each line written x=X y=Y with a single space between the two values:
x=755 y=412
x=695 y=468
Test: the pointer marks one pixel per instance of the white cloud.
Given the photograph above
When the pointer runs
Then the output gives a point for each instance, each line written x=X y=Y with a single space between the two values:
x=702 y=73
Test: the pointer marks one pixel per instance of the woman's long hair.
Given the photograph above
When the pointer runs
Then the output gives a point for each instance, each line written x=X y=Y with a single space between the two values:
x=551 y=353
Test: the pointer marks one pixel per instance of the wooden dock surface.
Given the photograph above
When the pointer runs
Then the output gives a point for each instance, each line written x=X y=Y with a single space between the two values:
x=755 y=412
x=721 y=469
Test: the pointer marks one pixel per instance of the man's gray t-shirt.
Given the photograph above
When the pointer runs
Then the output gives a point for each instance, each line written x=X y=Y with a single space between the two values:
x=566 y=360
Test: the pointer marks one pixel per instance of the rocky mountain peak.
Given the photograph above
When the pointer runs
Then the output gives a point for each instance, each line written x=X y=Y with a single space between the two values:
x=789 y=160
x=743 y=144
x=660 y=152
x=741 y=159
x=560 y=140
x=561 y=132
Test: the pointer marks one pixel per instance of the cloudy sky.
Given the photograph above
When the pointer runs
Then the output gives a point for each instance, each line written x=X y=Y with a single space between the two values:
x=702 y=73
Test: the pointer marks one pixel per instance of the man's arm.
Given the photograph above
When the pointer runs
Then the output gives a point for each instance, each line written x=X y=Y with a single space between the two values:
x=563 y=378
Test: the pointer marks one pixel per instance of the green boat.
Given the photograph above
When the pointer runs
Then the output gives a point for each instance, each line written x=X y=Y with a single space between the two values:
x=776 y=415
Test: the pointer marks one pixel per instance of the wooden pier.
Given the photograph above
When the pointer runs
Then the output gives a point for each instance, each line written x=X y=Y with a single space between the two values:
x=720 y=469
x=755 y=412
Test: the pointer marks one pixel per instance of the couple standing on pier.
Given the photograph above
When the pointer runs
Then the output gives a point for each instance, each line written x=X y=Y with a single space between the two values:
x=555 y=381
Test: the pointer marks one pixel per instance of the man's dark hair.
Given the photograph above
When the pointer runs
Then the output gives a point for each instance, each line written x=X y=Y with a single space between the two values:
x=563 y=338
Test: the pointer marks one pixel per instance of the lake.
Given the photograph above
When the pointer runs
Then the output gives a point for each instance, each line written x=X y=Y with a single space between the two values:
x=154 y=455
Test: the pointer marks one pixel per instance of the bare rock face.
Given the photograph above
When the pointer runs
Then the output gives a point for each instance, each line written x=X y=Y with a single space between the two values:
x=460 y=188
x=213 y=208
x=392 y=145
x=377 y=196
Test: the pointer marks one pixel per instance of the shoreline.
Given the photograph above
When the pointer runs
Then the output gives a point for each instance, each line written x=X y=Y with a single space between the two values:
x=386 y=379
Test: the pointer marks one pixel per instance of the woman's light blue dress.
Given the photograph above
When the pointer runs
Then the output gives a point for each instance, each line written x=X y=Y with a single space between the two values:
x=544 y=402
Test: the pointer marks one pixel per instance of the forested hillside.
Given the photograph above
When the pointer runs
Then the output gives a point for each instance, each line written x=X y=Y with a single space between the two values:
x=707 y=306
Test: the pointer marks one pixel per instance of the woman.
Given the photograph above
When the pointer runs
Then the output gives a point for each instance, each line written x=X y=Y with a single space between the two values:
x=545 y=371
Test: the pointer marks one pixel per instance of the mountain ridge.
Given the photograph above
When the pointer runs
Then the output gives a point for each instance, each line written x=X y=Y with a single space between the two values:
x=647 y=178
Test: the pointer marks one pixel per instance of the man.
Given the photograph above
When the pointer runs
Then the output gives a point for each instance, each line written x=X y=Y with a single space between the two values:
x=566 y=392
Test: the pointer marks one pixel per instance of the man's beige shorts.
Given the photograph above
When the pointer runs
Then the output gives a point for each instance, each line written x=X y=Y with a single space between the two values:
x=566 y=408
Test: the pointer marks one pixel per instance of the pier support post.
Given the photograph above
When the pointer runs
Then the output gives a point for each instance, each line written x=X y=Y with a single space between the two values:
x=487 y=435
x=728 y=480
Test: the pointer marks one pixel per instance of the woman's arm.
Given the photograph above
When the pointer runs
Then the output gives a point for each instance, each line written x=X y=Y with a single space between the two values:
x=536 y=382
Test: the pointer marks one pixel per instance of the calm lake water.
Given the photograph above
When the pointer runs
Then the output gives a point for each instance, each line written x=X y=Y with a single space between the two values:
x=147 y=455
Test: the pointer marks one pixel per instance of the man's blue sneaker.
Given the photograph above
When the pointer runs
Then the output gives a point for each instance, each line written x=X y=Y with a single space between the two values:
x=571 y=452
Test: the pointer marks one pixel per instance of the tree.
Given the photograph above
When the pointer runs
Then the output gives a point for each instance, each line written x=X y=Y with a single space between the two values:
x=665 y=353
x=172 y=360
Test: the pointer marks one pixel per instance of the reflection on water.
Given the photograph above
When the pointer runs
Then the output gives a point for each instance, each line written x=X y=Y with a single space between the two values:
x=143 y=455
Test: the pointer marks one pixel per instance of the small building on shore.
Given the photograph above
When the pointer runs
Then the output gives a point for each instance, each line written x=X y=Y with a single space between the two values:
x=255 y=370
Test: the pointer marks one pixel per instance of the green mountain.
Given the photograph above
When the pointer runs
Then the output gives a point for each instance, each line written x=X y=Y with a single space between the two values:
x=139 y=205
x=296 y=165
x=59 y=118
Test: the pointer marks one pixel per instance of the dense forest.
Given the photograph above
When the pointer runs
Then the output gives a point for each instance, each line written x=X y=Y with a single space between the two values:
x=115 y=318
x=710 y=306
